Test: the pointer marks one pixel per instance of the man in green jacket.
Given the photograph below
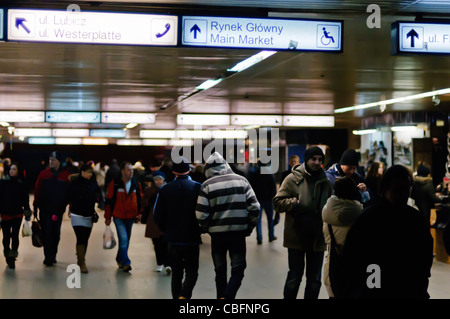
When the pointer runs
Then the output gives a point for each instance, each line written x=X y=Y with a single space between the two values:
x=302 y=196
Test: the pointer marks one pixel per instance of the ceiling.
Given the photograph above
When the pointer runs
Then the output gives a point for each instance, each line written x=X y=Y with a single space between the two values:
x=77 y=77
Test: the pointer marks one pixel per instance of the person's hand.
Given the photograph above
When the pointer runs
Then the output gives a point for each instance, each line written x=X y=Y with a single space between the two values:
x=107 y=222
x=362 y=187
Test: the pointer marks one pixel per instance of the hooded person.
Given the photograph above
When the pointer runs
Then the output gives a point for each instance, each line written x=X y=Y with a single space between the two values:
x=228 y=210
x=302 y=197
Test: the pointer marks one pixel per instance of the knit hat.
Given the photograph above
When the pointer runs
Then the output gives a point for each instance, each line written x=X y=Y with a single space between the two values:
x=58 y=156
x=313 y=151
x=159 y=174
x=181 y=166
x=349 y=157
x=423 y=171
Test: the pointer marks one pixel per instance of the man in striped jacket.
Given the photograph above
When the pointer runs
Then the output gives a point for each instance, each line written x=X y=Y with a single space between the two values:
x=228 y=210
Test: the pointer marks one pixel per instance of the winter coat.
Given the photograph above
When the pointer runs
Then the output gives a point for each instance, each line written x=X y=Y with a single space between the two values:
x=303 y=222
x=83 y=194
x=263 y=185
x=335 y=171
x=151 y=230
x=424 y=195
x=227 y=202
x=121 y=204
x=174 y=211
x=14 y=198
x=389 y=237
x=51 y=194
x=340 y=214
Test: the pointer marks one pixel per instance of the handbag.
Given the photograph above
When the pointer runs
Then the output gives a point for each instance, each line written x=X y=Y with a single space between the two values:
x=336 y=268
x=109 y=241
x=95 y=217
x=26 y=229
x=37 y=236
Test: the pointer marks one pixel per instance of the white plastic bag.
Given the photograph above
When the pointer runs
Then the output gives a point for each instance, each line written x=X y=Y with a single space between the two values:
x=109 y=241
x=26 y=229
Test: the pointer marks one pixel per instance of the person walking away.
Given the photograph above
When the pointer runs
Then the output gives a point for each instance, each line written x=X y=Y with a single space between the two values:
x=423 y=192
x=84 y=192
x=339 y=213
x=386 y=237
x=265 y=190
x=302 y=197
x=100 y=174
x=372 y=181
x=228 y=210
x=123 y=202
x=174 y=214
x=160 y=245
x=14 y=204
x=51 y=198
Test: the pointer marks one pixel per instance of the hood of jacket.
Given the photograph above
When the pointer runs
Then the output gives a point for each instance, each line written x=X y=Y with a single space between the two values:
x=341 y=212
x=299 y=172
x=217 y=165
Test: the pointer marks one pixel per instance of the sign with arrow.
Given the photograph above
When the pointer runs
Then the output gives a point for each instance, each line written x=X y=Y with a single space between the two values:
x=412 y=37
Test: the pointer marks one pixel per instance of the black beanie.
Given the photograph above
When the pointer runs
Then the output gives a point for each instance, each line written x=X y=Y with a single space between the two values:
x=423 y=171
x=58 y=156
x=349 y=158
x=312 y=151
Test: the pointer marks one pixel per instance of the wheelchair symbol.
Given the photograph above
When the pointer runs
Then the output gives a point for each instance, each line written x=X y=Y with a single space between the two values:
x=326 y=39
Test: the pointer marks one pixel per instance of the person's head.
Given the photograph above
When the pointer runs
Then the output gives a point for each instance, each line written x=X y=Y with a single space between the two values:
x=159 y=178
x=14 y=170
x=345 y=188
x=181 y=166
x=376 y=169
x=126 y=168
x=349 y=162
x=314 y=158
x=294 y=160
x=395 y=185
x=86 y=171
x=423 y=171
x=55 y=160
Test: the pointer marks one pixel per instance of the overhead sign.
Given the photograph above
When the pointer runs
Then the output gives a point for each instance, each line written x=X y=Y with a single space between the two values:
x=412 y=37
x=92 y=27
x=1 y=23
x=251 y=33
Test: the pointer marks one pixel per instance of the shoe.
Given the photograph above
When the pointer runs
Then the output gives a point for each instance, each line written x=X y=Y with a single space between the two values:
x=11 y=261
x=126 y=268
x=159 y=268
x=81 y=253
x=181 y=297
x=119 y=265
x=259 y=242
x=168 y=270
x=48 y=263
x=274 y=238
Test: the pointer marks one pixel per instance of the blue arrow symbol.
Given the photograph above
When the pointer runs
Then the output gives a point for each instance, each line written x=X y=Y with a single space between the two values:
x=411 y=34
x=195 y=29
x=20 y=22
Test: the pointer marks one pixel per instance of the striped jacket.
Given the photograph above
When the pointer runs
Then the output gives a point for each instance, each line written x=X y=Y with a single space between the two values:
x=226 y=201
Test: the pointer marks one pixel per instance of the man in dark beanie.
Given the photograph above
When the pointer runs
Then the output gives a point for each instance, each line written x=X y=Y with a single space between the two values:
x=347 y=166
x=51 y=198
x=302 y=196
x=174 y=213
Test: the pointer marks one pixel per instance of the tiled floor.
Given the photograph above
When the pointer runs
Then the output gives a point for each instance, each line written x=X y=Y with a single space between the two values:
x=264 y=276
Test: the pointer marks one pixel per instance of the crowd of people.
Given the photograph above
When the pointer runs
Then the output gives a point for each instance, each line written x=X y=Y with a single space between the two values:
x=359 y=221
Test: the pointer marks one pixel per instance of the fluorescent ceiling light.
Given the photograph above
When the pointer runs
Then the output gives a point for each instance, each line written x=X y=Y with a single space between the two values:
x=70 y=132
x=203 y=119
x=22 y=116
x=198 y=134
x=107 y=133
x=234 y=134
x=392 y=101
x=125 y=118
x=407 y=128
x=208 y=84
x=364 y=132
x=41 y=140
x=181 y=142
x=308 y=121
x=67 y=141
x=4 y=124
x=94 y=141
x=259 y=120
x=155 y=142
x=33 y=132
x=131 y=125
x=241 y=66
x=129 y=142
x=157 y=134
x=72 y=117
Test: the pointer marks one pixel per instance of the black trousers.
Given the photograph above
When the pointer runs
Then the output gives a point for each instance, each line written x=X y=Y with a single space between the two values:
x=185 y=262
x=161 y=251
x=51 y=230
x=11 y=235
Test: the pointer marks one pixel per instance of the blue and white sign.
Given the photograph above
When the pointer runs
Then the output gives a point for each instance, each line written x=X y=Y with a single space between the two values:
x=251 y=33
x=421 y=37
x=92 y=27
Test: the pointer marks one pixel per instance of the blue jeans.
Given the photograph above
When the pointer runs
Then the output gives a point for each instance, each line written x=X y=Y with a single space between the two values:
x=268 y=208
x=314 y=261
x=234 y=243
x=123 y=227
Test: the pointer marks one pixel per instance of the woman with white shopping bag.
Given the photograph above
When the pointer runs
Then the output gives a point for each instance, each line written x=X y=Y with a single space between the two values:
x=14 y=204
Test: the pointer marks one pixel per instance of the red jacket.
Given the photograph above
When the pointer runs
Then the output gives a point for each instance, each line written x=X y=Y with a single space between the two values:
x=51 y=191
x=123 y=205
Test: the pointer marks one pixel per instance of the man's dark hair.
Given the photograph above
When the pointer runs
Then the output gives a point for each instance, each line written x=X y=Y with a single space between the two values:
x=392 y=173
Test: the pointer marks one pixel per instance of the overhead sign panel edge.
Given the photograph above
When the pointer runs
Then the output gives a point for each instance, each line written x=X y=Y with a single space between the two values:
x=262 y=33
x=92 y=27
